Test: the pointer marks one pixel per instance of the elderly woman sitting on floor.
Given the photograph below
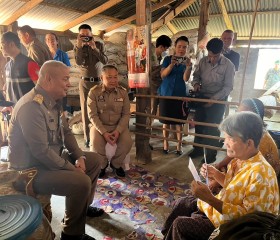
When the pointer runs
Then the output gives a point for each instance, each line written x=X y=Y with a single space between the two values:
x=250 y=184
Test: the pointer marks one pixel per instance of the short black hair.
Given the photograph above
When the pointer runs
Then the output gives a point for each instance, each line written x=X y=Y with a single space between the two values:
x=182 y=38
x=109 y=66
x=164 y=41
x=215 y=45
x=11 y=37
x=85 y=26
x=27 y=29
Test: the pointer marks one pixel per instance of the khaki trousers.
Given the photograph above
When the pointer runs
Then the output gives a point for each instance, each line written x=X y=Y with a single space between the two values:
x=78 y=188
x=98 y=143
x=84 y=88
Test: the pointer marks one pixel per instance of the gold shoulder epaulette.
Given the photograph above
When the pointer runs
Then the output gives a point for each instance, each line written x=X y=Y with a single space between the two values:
x=38 y=98
x=94 y=87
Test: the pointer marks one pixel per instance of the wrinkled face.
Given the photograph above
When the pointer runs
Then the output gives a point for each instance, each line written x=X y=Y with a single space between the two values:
x=213 y=58
x=24 y=38
x=59 y=82
x=110 y=78
x=51 y=41
x=5 y=48
x=235 y=146
x=227 y=39
x=181 y=48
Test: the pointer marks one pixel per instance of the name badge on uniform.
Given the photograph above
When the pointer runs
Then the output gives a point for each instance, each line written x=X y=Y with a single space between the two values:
x=101 y=99
x=119 y=99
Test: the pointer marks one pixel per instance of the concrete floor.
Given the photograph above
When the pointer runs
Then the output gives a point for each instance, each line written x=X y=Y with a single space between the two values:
x=172 y=165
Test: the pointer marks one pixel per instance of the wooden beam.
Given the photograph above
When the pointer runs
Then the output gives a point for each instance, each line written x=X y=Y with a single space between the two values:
x=181 y=7
x=230 y=14
x=90 y=14
x=143 y=150
x=225 y=15
x=20 y=12
x=133 y=17
x=203 y=20
x=171 y=28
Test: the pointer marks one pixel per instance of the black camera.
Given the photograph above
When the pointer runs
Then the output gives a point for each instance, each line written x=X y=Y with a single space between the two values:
x=180 y=59
x=86 y=38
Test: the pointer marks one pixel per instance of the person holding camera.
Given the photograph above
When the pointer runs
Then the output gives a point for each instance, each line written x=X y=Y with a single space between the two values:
x=175 y=73
x=212 y=79
x=90 y=56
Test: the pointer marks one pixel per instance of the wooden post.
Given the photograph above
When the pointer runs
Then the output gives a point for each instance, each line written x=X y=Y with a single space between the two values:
x=204 y=18
x=143 y=151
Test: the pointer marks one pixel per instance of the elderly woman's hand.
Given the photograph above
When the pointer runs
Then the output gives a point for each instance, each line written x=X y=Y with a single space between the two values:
x=213 y=173
x=201 y=190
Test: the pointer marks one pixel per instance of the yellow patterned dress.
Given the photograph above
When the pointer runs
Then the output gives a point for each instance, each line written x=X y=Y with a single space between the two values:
x=269 y=150
x=250 y=185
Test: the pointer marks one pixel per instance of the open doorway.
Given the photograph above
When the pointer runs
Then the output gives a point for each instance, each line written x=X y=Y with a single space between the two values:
x=266 y=68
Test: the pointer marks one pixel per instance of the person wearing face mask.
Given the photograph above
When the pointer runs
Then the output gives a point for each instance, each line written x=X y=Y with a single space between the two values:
x=175 y=72
x=212 y=79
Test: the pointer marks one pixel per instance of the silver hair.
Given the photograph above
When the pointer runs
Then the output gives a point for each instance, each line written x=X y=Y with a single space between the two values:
x=246 y=125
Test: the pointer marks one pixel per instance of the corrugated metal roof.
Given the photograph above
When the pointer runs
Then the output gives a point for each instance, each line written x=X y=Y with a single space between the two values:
x=45 y=17
x=250 y=5
x=8 y=7
x=80 y=5
x=51 y=14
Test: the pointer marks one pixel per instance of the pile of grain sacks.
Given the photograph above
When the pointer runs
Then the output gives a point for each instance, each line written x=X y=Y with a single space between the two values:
x=115 y=50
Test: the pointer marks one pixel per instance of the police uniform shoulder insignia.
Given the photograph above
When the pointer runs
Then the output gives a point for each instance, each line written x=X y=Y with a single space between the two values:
x=122 y=88
x=38 y=98
x=95 y=87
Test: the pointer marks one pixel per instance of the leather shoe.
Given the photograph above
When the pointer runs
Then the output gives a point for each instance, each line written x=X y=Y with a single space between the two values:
x=165 y=151
x=64 y=236
x=102 y=171
x=94 y=212
x=179 y=152
x=87 y=143
x=119 y=171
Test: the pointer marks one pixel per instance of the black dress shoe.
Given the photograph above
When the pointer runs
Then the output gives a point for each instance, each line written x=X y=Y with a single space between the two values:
x=94 y=212
x=179 y=152
x=102 y=171
x=165 y=151
x=87 y=143
x=119 y=171
x=64 y=236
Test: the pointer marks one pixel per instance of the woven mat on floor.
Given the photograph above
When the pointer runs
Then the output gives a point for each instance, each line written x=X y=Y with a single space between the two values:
x=142 y=196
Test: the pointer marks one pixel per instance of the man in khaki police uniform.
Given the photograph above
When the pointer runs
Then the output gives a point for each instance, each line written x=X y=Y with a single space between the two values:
x=90 y=56
x=109 y=113
x=38 y=136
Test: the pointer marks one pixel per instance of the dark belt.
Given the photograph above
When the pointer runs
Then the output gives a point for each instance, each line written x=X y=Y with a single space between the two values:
x=91 y=79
